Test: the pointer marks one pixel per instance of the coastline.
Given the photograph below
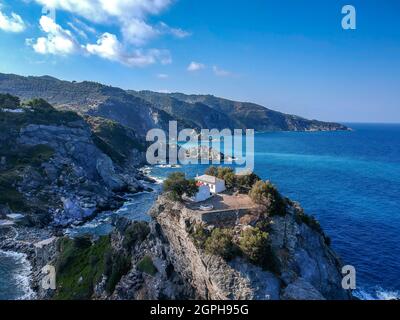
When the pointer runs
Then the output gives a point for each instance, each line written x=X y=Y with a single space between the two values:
x=19 y=242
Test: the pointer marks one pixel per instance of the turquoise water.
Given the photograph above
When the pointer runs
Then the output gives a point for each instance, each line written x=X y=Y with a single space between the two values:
x=351 y=182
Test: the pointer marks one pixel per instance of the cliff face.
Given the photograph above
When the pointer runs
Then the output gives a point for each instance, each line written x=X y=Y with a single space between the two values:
x=309 y=269
x=56 y=167
x=161 y=260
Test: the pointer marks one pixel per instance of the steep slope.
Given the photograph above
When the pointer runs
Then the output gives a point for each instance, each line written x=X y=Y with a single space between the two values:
x=250 y=115
x=56 y=166
x=145 y=110
x=88 y=98
x=202 y=115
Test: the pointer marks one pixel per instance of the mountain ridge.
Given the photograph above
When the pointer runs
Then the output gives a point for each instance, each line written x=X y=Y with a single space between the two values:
x=145 y=110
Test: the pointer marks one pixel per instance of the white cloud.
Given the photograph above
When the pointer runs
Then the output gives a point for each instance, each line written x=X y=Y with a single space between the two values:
x=58 y=40
x=129 y=15
x=221 y=73
x=195 y=66
x=131 y=18
x=138 y=32
x=176 y=32
x=109 y=47
x=13 y=23
x=162 y=76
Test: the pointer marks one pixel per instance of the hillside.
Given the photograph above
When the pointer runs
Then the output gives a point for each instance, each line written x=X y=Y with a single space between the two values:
x=59 y=167
x=232 y=114
x=145 y=110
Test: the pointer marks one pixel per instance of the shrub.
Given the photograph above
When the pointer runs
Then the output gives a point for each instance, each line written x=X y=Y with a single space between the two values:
x=8 y=101
x=80 y=266
x=177 y=185
x=265 y=194
x=246 y=181
x=220 y=243
x=212 y=171
x=116 y=265
x=199 y=235
x=40 y=105
x=253 y=242
x=255 y=246
x=230 y=180
x=241 y=182
x=82 y=242
x=310 y=221
x=146 y=265
x=136 y=232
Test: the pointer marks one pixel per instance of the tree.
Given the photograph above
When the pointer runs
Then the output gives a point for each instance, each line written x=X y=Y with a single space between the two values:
x=177 y=185
x=246 y=181
x=253 y=243
x=212 y=171
x=8 y=101
x=220 y=243
x=40 y=105
x=230 y=180
x=265 y=194
x=255 y=246
x=224 y=171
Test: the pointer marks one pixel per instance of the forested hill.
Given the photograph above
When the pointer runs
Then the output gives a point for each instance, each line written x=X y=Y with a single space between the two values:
x=144 y=110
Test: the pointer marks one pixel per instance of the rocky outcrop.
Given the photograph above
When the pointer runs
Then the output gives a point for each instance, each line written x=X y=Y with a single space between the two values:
x=60 y=168
x=306 y=260
x=309 y=269
x=79 y=176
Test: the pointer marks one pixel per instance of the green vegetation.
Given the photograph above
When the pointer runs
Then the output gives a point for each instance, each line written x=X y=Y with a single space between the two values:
x=255 y=246
x=8 y=101
x=116 y=265
x=37 y=111
x=246 y=181
x=310 y=221
x=177 y=185
x=81 y=265
x=252 y=243
x=243 y=182
x=16 y=161
x=199 y=235
x=221 y=243
x=135 y=233
x=147 y=266
x=114 y=139
x=265 y=194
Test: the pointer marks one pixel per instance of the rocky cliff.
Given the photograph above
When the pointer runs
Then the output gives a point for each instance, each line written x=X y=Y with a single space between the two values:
x=307 y=267
x=166 y=261
x=58 y=167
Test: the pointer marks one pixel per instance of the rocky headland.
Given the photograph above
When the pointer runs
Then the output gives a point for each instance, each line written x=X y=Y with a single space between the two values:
x=59 y=168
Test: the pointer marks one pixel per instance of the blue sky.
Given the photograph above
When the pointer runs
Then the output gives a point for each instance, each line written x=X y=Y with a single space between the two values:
x=292 y=56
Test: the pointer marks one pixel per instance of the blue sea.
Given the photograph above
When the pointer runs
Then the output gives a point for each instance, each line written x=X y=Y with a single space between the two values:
x=350 y=181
